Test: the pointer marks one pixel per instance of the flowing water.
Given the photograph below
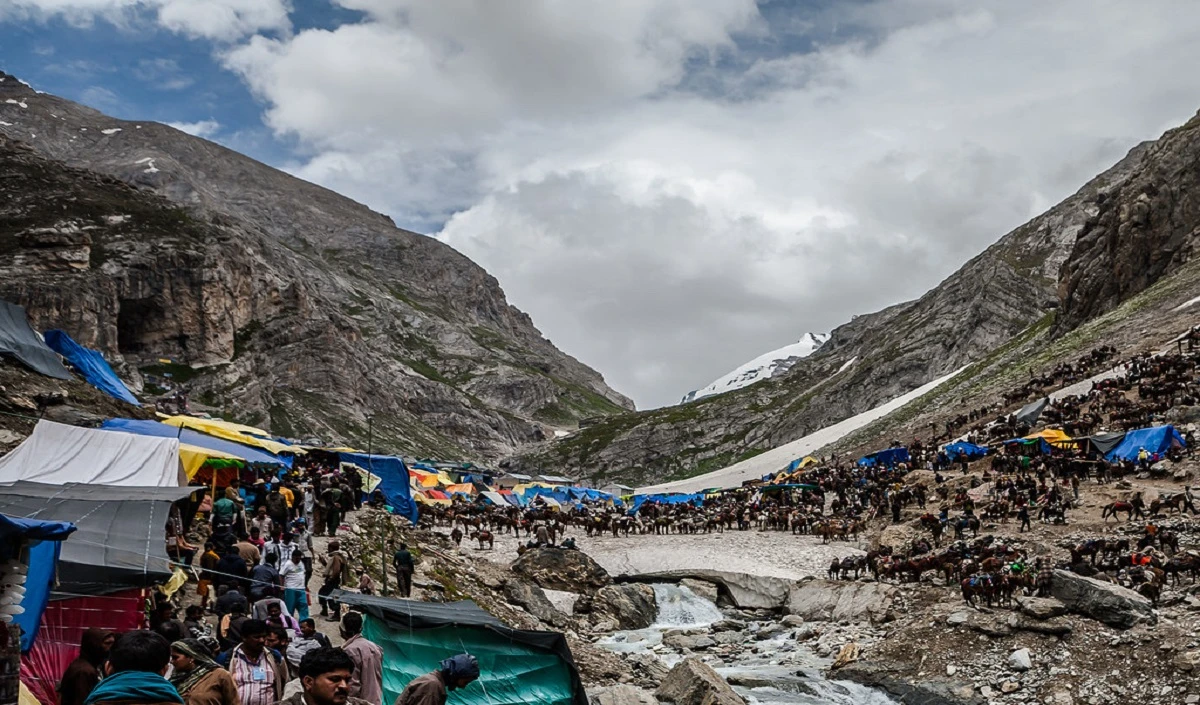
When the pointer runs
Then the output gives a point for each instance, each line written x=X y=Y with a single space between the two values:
x=759 y=677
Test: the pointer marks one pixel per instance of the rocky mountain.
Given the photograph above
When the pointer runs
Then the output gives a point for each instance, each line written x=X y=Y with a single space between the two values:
x=1144 y=229
x=276 y=301
x=1007 y=291
x=764 y=366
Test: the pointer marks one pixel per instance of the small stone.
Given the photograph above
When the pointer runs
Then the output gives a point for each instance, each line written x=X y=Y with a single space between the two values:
x=951 y=669
x=1009 y=687
x=986 y=691
x=1020 y=660
x=957 y=619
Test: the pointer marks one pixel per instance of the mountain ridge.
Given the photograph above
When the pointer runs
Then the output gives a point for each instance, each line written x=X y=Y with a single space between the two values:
x=992 y=299
x=300 y=309
x=764 y=366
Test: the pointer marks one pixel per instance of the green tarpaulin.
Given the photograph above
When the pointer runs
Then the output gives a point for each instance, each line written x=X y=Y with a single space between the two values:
x=516 y=667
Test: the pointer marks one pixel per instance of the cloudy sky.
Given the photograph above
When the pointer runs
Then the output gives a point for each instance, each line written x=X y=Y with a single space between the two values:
x=670 y=187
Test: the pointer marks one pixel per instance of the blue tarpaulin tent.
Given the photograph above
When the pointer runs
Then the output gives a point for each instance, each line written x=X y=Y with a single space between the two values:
x=641 y=499
x=146 y=427
x=45 y=539
x=1156 y=439
x=887 y=458
x=972 y=451
x=393 y=480
x=91 y=364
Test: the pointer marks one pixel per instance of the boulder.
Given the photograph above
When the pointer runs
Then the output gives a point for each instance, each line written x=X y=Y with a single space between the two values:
x=689 y=642
x=1020 y=660
x=534 y=601
x=729 y=625
x=912 y=691
x=702 y=588
x=745 y=591
x=1041 y=607
x=792 y=620
x=1111 y=604
x=631 y=605
x=825 y=600
x=693 y=682
x=557 y=569
x=621 y=695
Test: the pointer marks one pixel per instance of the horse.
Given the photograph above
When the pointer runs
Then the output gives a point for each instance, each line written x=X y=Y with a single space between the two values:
x=456 y=535
x=1130 y=508
x=484 y=536
x=979 y=585
x=934 y=525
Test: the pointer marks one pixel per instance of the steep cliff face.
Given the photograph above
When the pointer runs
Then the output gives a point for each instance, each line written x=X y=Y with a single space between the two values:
x=1145 y=228
x=874 y=358
x=276 y=300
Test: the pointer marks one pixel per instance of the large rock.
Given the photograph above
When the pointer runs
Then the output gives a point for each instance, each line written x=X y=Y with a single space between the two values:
x=621 y=695
x=630 y=605
x=910 y=691
x=745 y=591
x=1041 y=607
x=1112 y=604
x=702 y=588
x=825 y=600
x=689 y=642
x=559 y=569
x=693 y=682
x=534 y=601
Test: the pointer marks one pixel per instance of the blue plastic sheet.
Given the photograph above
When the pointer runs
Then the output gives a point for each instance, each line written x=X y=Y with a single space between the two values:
x=887 y=458
x=641 y=499
x=146 y=427
x=45 y=539
x=1156 y=439
x=393 y=480
x=970 y=450
x=91 y=364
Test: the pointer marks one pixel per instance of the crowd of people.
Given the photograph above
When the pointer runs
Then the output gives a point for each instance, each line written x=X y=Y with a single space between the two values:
x=143 y=667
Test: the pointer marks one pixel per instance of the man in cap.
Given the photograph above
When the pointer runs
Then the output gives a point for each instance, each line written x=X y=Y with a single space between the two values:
x=432 y=688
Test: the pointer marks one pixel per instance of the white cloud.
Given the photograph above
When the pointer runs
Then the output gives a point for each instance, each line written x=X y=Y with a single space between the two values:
x=671 y=187
x=222 y=20
x=201 y=128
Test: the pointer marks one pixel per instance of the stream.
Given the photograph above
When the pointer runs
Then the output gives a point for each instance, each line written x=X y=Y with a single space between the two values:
x=775 y=671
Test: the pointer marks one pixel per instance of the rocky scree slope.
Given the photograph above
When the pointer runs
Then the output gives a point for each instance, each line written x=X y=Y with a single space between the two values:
x=280 y=301
x=1003 y=291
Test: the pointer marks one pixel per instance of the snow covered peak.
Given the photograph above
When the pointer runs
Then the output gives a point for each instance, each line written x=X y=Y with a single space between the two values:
x=762 y=367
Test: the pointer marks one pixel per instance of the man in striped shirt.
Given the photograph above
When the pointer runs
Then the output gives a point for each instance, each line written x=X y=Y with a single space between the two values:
x=258 y=675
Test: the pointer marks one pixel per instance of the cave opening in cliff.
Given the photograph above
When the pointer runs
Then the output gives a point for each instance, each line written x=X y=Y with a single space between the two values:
x=139 y=326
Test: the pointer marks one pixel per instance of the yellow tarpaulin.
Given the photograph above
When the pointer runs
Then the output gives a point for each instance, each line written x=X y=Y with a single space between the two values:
x=246 y=435
x=194 y=457
x=1053 y=436
x=444 y=478
x=465 y=488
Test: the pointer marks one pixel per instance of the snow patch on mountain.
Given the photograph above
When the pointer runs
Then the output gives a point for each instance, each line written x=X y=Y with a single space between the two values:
x=762 y=367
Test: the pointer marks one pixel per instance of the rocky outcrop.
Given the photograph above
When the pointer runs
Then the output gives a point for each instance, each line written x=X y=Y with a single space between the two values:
x=559 y=569
x=833 y=601
x=912 y=691
x=1040 y=607
x=629 y=605
x=303 y=311
x=870 y=360
x=1112 y=604
x=1144 y=228
x=534 y=601
x=745 y=591
x=693 y=682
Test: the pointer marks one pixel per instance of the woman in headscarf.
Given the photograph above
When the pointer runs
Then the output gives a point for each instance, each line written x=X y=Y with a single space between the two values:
x=84 y=672
x=199 y=679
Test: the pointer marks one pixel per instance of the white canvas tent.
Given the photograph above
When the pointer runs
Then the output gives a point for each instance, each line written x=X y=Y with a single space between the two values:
x=57 y=454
